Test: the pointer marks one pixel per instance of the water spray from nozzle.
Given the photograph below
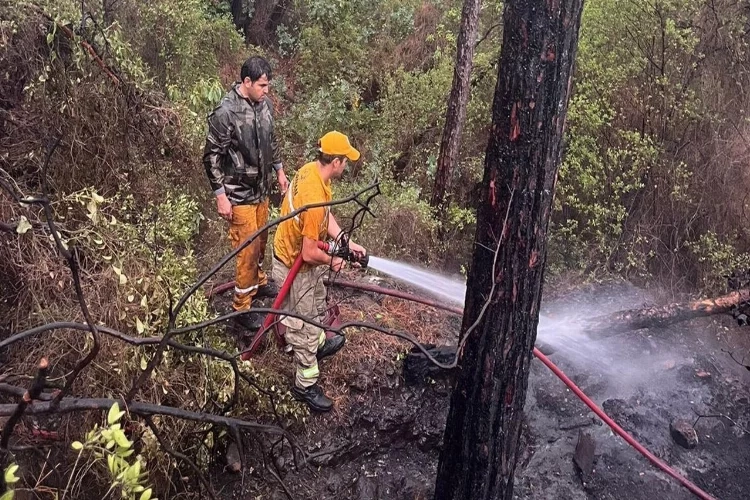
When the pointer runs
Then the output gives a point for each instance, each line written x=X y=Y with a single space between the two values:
x=443 y=287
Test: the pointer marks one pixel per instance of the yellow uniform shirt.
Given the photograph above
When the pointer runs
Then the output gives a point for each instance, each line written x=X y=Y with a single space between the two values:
x=307 y=188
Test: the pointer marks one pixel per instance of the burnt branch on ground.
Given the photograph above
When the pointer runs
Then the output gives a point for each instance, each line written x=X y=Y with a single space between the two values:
x=37 y=386
x=80 y=405
x=720 y=416
x=661 y=316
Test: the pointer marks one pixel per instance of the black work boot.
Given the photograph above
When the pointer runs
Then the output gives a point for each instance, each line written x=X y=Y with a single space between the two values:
x=313 y=396
x=331 y=346
x=250 y=322
x=268 y=290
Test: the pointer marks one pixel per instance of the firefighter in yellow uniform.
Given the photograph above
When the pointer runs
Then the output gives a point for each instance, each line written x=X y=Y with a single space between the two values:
x=300 y=234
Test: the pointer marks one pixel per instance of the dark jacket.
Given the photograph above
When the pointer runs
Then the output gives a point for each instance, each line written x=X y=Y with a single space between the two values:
x=242 y=149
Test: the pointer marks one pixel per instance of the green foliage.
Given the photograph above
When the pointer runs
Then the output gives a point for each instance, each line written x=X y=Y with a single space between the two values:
x=414 y=104
x=628 y=189
x=339 y=39
x=336 y=106
x=185 y=40
x=718 y=259
x=148 y=255
x=110 y=444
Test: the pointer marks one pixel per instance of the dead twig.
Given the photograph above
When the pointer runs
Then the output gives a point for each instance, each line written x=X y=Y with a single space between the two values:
x=28 y=396
x=721 y=415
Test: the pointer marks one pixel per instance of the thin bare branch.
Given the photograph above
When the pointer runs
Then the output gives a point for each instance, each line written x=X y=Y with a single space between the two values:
x=77 y=405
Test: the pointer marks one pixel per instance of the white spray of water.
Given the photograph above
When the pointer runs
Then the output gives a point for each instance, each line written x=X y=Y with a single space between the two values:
x=624 y=362
x=451 y=290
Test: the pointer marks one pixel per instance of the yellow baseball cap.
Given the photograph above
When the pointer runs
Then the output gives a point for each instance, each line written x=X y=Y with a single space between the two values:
x=336 y=143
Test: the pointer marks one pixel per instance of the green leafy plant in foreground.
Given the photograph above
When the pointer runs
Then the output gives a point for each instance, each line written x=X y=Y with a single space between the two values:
x=10 y=479
x=128 y=475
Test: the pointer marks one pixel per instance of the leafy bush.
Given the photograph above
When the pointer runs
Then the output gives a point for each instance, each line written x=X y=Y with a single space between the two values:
x=718 y=259
x=635 y=177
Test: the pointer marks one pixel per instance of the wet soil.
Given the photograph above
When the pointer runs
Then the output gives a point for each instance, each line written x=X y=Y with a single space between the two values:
x=387 y=443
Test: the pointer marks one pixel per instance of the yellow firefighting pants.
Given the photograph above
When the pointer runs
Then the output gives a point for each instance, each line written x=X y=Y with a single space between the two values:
x=246 y=219
x=307 y=297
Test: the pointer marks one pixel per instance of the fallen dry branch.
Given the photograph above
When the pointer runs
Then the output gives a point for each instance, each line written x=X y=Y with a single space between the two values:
x=661 y=316
x=73 y=405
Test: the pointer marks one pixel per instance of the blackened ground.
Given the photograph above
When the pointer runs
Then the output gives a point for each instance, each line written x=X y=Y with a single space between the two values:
x=387 y=444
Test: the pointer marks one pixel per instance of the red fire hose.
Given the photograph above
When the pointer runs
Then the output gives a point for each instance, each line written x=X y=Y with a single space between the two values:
x=277 y=303
x=692 y=487
x=620 y=431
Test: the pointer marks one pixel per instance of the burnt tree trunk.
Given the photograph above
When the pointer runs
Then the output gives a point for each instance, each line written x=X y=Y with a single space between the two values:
x=457 y=100
x=522 y=159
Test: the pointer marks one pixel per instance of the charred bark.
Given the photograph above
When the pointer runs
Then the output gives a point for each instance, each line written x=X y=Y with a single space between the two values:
x=504 y=287
x=457 y=100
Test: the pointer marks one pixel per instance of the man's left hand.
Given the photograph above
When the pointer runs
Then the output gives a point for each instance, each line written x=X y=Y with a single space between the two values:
x=283 y=181
x=357 y=250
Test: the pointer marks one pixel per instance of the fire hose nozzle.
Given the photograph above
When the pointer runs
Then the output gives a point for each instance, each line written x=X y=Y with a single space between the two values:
x=363 y=261
x=343 y=251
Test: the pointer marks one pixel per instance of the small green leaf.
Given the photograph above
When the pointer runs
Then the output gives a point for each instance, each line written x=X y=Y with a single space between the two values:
x=114 y=414
x=139 y=326
x=8 y=495
x=23 y=225
x=10 y=474
x=144 y=364
x=146 y=495
x=93 y=211
x=111 y=464
x=121 y=440
x=117 y=270
x=76 y=445
x=123 y=279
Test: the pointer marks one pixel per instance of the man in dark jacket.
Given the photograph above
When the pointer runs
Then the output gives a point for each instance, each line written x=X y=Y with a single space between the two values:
x=242 y=153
